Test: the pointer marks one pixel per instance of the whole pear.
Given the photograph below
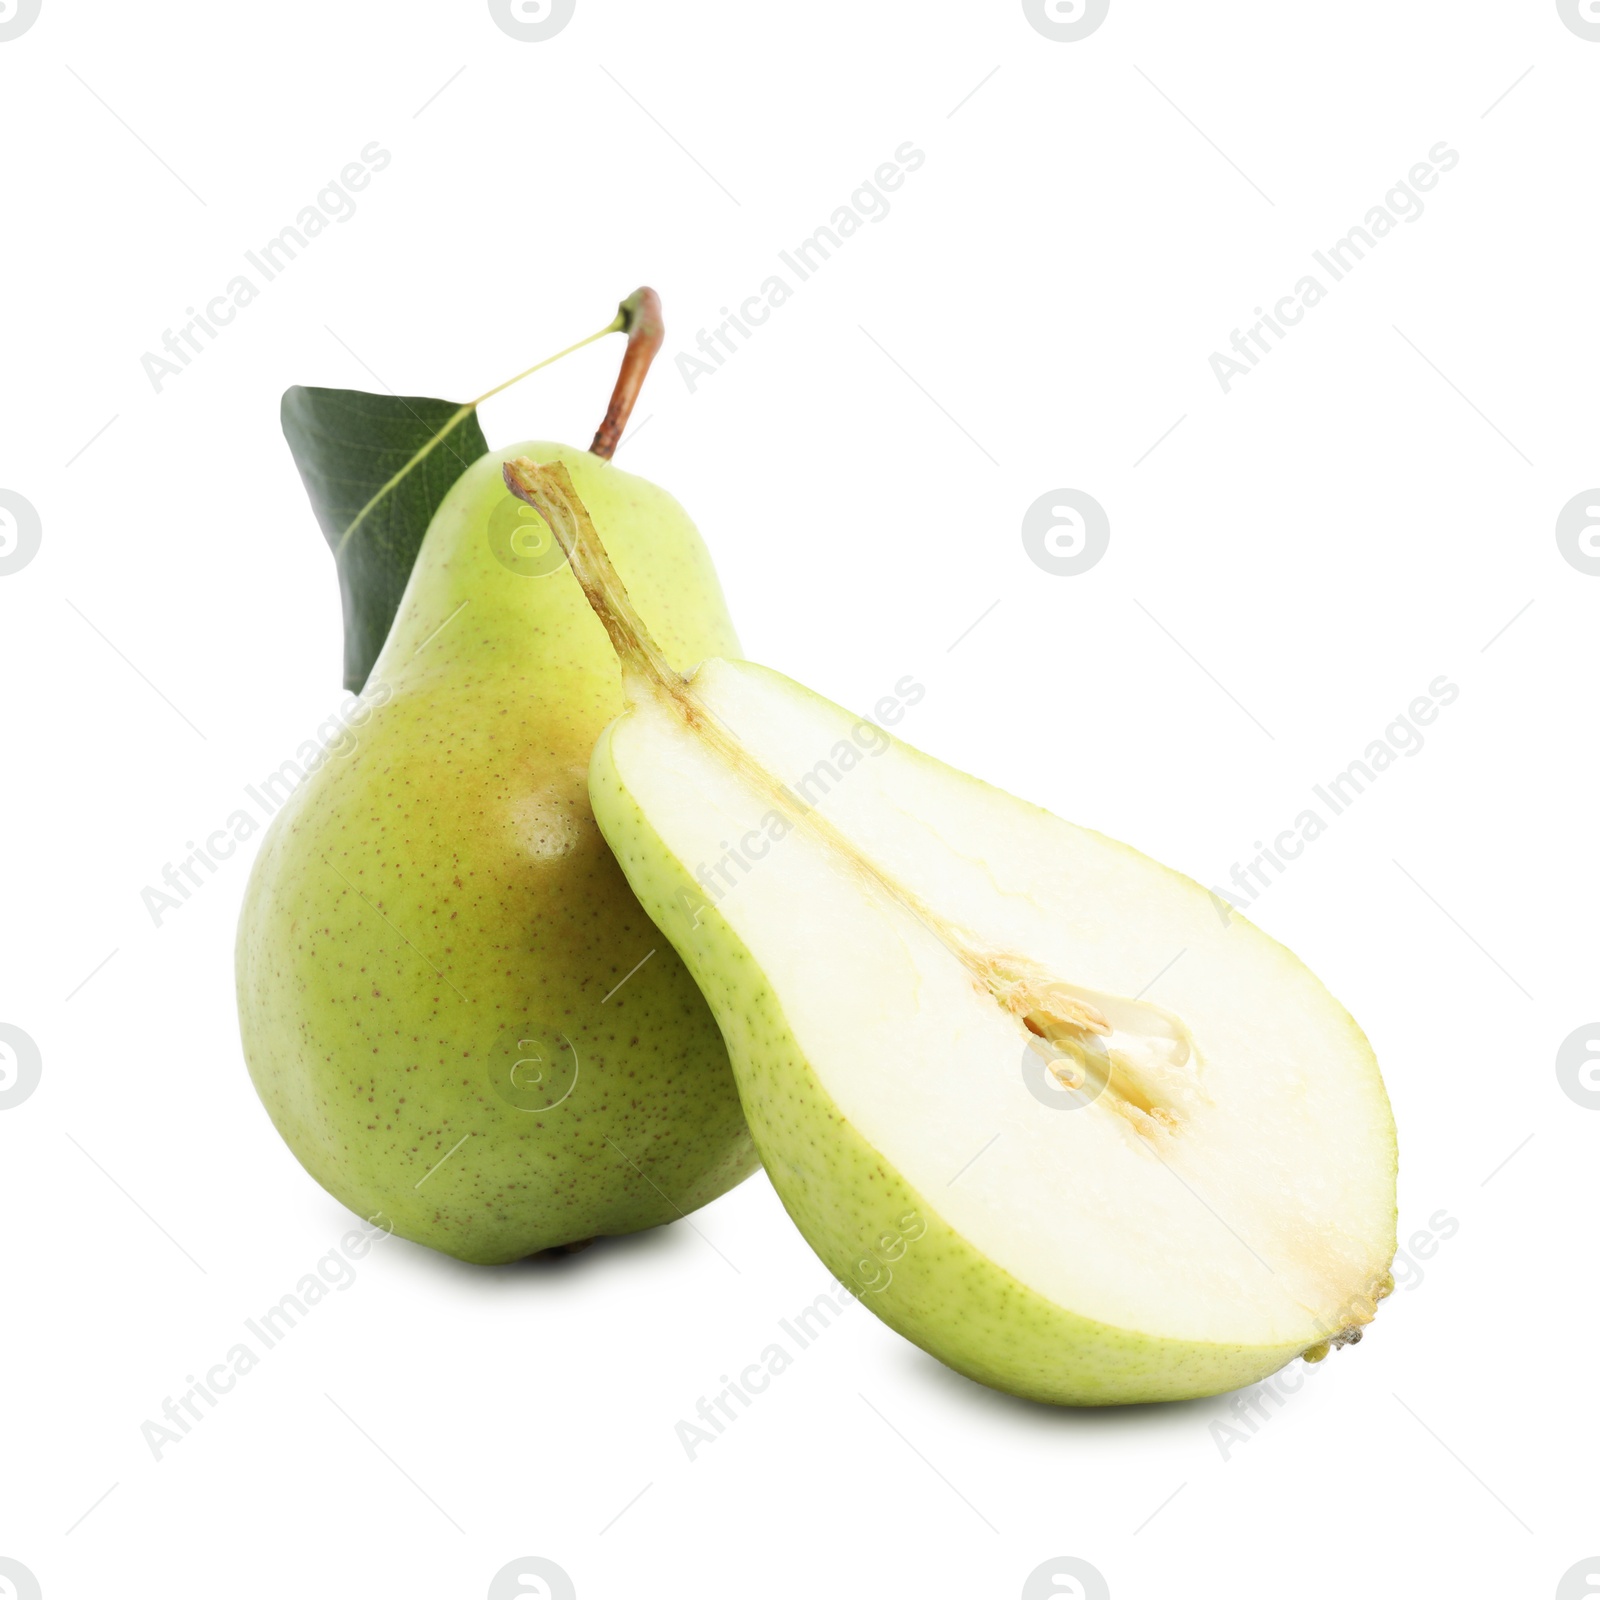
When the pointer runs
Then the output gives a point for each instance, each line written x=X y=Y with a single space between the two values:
x=452 y=1005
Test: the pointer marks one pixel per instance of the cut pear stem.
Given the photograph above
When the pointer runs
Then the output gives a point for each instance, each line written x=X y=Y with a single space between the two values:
x=1045 y=1008
x=550 y=492
x=640 y=316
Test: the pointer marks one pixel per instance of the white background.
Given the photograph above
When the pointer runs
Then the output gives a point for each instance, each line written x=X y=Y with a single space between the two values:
x=1293 y=562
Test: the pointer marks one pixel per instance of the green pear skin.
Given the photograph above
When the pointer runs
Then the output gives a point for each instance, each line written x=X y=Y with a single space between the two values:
x=434 y=934
x=849 y=1200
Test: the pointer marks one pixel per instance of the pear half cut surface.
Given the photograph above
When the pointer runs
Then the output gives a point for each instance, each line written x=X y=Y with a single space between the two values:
x=933 y=995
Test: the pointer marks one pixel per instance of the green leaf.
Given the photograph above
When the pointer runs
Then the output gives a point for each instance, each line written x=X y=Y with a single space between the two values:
x=376 y=467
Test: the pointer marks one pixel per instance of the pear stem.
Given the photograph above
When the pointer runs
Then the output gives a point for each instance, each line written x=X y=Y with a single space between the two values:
x=550 y=492
x=639 y=316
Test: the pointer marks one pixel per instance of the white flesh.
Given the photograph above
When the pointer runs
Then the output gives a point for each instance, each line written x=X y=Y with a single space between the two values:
x=1232 y=1184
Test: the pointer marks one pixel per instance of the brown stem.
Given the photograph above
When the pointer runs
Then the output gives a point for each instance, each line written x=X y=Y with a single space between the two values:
x=641 y=313
x=549 y=491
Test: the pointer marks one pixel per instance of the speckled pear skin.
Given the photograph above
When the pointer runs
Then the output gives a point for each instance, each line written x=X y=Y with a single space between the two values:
x=437 y=891
x=879 y=1236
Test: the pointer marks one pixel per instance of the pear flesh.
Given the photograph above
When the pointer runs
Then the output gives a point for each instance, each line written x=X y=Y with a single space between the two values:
x=452 y=1006
x=1022 y=1088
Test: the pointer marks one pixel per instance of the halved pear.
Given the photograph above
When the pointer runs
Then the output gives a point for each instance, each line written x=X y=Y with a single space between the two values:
x=935 y=999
